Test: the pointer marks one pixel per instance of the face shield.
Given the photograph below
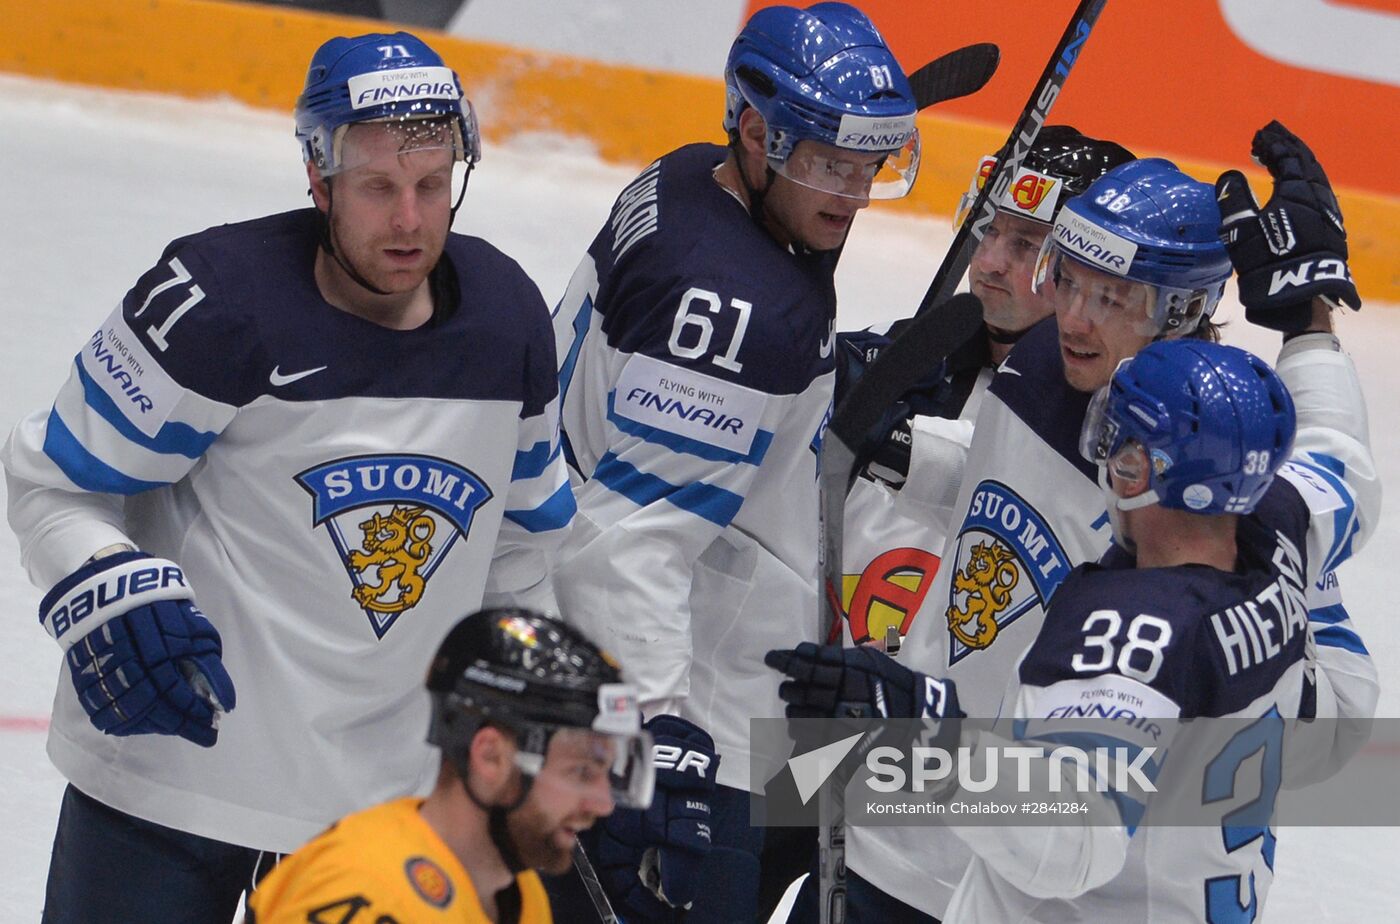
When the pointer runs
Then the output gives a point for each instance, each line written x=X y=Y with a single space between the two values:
x=615 y=747
x=853 y=174
x=359 y=144
x=1149 y=311
x=1102 y=442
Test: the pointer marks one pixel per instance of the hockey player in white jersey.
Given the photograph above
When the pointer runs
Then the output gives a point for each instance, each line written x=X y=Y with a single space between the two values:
x=1198 y=612
x=1030 y=507
x=695 y=343
x=898 y=511
x=335 y=429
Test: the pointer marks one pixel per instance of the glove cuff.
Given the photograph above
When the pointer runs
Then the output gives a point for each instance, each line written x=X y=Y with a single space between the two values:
x=108 y=587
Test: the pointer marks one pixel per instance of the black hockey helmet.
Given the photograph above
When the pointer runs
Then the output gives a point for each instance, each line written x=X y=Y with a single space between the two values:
x=533 y=675
x=1059 y=166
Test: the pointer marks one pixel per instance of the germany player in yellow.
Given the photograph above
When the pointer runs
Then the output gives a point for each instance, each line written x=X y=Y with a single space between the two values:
x=540 y=738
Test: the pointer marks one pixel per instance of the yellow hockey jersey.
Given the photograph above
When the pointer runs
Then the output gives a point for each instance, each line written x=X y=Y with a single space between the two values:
x=383 y=864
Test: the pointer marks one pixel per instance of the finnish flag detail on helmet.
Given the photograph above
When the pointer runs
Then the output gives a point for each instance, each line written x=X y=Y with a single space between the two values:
x=377 y=88
x=1096 y=246
x=871 y=133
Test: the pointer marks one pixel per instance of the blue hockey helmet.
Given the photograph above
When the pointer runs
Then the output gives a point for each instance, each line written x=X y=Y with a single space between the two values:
x=1215 y=422
x=1147 y=222
x=825 y=74
x=394 y=79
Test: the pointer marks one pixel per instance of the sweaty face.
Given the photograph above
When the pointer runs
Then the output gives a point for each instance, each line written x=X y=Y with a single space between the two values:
x=1102 y=321
x=390 y=214
x=568 y=795
x=813 y=217
x=1001 y=271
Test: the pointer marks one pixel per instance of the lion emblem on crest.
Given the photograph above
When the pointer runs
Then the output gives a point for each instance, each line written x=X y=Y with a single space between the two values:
x=988 y=579
x=396 y=546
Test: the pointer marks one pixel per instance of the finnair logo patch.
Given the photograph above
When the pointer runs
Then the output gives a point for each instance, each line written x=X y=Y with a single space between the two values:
x=116 y=360
x=392 y=519
x=688 y=404
x=864 y=133
x=1094 y=245
x=379 y=87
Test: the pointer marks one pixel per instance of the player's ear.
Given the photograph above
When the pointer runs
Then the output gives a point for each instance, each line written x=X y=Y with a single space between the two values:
x=492 y=760
x=320 y=193
x=753 y=132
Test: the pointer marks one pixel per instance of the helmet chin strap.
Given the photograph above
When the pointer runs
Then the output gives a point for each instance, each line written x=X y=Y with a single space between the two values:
x=1115 y=505
x=497 y=816
x=755 y=195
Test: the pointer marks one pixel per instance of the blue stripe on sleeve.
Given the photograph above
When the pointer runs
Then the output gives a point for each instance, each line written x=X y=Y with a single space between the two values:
x=555 y=513
x=173 y=438
x=580 y=326
x=83 y=468
x=533 y=462
x=707 y=451
x=1344 y=526
x=1339 y=637
x=708 y=502
x=1331 y=615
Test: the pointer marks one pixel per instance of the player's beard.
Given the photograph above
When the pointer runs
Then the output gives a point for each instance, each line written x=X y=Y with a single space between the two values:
x=537 y=839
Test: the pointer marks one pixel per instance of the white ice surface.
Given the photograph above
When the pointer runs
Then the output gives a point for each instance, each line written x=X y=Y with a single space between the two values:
x=94 y=184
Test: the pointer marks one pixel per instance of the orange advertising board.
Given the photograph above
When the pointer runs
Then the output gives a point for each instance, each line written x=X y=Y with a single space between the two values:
x=1184 y=79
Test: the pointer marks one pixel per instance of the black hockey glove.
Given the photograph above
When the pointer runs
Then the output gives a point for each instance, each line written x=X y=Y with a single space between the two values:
x=1296 y=247
x=830 y=681
x=650 y=859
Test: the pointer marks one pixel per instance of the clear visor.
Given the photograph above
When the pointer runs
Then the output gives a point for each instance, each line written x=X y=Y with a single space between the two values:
x=1098 y=438
x=1102 y=298
x=588 y=761
x=1096 y=296
x=362 y=143
x=853 y=174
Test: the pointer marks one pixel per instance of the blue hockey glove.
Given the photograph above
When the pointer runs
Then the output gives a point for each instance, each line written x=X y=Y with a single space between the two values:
x=649 y=860
x=884 y=453
x=142 y=657
x=831 y=681
x=1296 y=247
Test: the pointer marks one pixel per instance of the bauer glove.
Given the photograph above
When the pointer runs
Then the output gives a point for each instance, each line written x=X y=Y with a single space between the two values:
x=650 y=860
x=1295 y=248
x=142 y=657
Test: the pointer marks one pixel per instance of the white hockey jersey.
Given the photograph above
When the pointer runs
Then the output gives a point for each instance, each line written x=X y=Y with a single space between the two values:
x=1030 y=509
x=696 y=374
x=1121 y=645
x=337 y=493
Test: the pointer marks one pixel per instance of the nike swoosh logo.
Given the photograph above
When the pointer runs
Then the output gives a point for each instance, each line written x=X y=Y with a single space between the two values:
x=278 y=379
x=1007 y=369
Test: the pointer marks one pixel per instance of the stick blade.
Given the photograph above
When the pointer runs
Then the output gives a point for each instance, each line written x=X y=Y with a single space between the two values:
x=910 y=356
x=958 y=73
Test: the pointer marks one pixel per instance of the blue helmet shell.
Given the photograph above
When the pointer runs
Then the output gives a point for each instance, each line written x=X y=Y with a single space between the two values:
x=378 y=77
x=808 y=71
x=1216 y=421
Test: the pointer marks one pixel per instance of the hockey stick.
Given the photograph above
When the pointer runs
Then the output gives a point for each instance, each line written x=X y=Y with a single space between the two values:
x=958 y=73
x=938 y=320
x=589 y=875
